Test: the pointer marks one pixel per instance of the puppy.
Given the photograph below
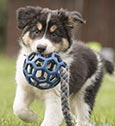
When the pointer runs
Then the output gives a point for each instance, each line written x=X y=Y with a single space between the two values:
x=45 y=31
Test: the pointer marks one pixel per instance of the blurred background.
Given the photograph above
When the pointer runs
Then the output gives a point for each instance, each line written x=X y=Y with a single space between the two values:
x=99 y=14
x=98 y=33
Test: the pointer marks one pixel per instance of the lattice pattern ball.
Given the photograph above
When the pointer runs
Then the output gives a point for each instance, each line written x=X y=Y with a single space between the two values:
x=43 y=72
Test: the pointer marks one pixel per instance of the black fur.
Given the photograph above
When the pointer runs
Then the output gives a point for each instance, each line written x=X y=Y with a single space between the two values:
x=83 y=66
x=109 y=67
x=25 y=16
x=92 y=90
x=29 y=15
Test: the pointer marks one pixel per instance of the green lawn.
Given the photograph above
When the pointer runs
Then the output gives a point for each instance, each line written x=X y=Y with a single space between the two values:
x=104 y=110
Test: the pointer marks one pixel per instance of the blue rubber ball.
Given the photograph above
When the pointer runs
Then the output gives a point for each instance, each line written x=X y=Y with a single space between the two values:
x=43 y=71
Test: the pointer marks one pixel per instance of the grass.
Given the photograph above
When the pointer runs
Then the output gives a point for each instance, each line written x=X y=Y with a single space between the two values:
x=104 y=110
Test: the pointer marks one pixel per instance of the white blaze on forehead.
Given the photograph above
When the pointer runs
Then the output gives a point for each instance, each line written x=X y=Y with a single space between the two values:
x=47 y=21
x=48 y=18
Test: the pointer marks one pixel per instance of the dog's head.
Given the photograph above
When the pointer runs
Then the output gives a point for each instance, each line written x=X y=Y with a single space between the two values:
x=45 y=30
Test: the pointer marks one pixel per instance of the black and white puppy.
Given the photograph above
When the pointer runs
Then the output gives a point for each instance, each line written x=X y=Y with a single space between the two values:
x=45 y=31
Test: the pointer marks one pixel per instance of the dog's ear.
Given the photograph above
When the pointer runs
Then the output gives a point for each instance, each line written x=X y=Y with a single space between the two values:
x=74 y=18
x=26 y=15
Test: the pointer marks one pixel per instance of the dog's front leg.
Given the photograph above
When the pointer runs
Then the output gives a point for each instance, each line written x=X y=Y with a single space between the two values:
x=53 y=114
x=21 y=103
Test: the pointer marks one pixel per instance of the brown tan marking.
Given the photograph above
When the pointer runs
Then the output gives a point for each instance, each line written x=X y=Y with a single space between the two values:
x=53 y=28
x=26 y=39
x=39 y=26
x=62 y=46
x=65 y=44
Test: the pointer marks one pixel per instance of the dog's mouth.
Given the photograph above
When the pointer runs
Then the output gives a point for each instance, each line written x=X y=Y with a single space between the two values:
x=43 y=55
x=46 y=55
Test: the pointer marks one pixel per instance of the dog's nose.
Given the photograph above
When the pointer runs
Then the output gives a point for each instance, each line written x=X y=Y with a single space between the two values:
x=41 y=48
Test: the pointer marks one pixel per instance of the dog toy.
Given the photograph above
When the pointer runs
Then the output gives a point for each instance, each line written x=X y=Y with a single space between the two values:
x=43 y=71
x=64 y=73
x=46 y=72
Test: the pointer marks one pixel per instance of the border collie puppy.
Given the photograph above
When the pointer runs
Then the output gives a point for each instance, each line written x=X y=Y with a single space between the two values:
x=45 y=31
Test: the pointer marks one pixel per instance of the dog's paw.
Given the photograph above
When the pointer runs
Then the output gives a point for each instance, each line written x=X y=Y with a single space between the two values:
x=32 y=118
x=26 y=115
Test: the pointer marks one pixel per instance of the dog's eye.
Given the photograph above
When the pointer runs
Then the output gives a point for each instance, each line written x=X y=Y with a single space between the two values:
x=34 y=32
x=54 y=34
x=56 y=37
